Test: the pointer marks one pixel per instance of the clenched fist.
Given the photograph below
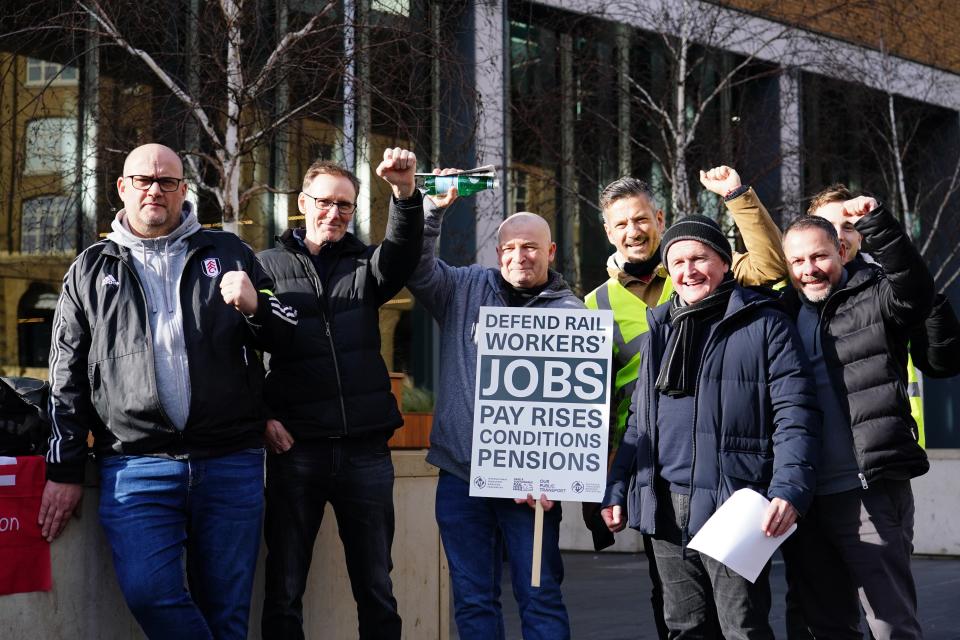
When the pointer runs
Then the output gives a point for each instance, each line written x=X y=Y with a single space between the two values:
x=858 y=207
x=398 y=169
x=720 y=180
x=237 y=290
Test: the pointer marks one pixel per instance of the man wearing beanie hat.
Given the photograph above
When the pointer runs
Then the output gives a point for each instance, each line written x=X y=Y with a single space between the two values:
x=724 y=401
x=634 y=226
x=701 y=229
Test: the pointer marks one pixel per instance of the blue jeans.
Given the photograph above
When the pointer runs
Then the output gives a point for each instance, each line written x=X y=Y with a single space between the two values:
x=356 y=477
x=474 y=532
x=154 y=510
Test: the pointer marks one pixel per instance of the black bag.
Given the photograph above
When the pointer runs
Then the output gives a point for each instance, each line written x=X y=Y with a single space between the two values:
x=24 y=426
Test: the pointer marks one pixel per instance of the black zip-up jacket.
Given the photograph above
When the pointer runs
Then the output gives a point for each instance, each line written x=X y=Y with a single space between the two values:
x=866 y=326
x=330 y=380
x=102 y=375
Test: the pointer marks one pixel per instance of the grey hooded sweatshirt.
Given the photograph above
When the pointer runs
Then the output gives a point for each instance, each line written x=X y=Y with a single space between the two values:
x=159 y=263
x=454 y=295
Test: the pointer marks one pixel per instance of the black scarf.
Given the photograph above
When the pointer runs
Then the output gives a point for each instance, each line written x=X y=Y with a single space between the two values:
x=642 y=269
x=517 y=297
x=678 y=375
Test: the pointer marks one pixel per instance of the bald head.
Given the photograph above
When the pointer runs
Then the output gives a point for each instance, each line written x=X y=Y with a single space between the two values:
x=523 y=219
x=525 y=250
x=152 y=154
x=149 y=210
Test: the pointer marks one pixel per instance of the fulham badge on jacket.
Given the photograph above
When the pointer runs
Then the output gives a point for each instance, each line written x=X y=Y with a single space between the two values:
x=211 y=267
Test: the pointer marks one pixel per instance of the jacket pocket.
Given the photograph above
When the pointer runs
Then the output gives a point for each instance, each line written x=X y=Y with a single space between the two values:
x=98 y=398
x=744 y=470
x=749 y=466
x=633 y=506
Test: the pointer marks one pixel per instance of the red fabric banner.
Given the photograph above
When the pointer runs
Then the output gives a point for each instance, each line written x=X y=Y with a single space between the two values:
x=24 y=554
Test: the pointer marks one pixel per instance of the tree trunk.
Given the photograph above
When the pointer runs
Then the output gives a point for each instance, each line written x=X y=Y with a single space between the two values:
x=230 y=157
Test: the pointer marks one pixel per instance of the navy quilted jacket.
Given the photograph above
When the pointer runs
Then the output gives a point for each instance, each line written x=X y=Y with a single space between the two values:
x=756 y=421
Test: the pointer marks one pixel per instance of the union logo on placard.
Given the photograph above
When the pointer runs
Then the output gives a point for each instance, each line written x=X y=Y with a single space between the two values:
x=211 y=267
x=480 y=482
x=577 y=486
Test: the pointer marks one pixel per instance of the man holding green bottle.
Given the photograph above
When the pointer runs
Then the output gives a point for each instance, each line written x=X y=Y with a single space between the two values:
x=476 y=531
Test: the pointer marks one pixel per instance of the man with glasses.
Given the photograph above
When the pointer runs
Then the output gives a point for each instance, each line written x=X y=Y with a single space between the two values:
x=329 y=395
x=154 y=351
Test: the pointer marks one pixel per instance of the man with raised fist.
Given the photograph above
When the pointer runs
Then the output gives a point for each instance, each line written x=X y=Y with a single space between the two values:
x=855 y=320
x=154 y=350
x=329 y=395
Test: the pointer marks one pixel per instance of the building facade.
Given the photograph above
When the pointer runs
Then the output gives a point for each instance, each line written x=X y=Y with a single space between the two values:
x=563 y=95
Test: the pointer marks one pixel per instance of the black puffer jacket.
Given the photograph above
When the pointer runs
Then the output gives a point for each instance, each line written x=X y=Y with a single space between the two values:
x=866 y=327
x=330 y=380
x=935 y=345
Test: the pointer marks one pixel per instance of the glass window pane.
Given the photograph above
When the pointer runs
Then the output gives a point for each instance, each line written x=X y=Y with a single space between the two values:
x=48 y=225
x=396 y=7
x=34 y=71
x=50 y=146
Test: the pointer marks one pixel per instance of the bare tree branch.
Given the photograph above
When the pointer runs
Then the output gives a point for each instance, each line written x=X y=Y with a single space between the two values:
x=95 y=10
x=283 y=48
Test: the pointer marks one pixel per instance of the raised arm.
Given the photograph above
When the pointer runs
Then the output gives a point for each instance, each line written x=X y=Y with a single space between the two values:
x=434 y=282
x=907 y=290
x=763 y=263
x=397 y=256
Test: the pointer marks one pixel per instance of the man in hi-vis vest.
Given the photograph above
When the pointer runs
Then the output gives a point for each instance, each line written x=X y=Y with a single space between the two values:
x=634 y=224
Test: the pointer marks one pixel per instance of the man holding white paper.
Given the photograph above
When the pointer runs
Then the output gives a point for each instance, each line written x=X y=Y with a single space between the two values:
x=724 y=401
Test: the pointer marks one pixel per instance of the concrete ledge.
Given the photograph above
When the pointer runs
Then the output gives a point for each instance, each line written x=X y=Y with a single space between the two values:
x=937 y=519
x=86 y=601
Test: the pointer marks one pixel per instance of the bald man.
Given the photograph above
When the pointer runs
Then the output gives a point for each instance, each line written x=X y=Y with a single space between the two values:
x=154 y=351
x=473 y=529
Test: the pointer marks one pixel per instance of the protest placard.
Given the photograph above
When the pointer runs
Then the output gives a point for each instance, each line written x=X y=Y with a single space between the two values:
x=541 y=406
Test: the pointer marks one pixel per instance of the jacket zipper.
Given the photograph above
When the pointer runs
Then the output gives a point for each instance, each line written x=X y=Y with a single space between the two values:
x=856 y=457
x=685 y=525
x=153 y=372
x=321 y=296
x=651 y=394
x=336 y=371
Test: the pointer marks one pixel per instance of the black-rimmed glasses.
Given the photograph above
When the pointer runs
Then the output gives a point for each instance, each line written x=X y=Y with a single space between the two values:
x=143 y=183
x=345 y=208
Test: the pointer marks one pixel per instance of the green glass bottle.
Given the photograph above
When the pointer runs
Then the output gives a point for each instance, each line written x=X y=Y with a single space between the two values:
x=466 y=185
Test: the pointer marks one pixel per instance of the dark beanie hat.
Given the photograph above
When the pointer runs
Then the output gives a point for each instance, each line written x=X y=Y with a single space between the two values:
x=699 y=228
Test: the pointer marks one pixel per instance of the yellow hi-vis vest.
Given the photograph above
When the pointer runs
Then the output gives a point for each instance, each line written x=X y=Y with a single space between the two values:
x=629 y=326
x=916 y=401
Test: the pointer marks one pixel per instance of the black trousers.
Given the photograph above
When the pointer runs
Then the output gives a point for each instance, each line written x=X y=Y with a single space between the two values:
x=356 y=477
x=856 y=549
x=700 y=592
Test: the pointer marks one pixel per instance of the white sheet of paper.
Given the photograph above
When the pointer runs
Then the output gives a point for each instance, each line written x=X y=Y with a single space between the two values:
x=732 y=535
